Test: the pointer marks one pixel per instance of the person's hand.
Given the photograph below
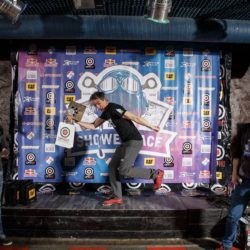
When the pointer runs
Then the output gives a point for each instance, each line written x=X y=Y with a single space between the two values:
x=70 y=118
x=155 y=128
x=235 y=179
x=4 y=153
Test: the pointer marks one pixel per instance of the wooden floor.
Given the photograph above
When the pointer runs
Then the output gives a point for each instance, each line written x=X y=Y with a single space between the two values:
x=145 y=216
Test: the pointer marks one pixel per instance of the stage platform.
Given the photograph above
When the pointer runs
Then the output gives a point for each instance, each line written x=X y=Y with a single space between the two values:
x=147 y=215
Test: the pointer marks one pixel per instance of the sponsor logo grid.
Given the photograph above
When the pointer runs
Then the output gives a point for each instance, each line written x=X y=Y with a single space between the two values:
x=181 y=80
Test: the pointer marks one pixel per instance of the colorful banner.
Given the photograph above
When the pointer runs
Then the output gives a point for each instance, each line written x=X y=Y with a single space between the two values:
x=176 y=89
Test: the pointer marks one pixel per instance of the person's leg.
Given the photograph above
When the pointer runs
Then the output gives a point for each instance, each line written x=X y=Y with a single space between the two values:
x=131 y=151
x=239 y=200
x=113 y=172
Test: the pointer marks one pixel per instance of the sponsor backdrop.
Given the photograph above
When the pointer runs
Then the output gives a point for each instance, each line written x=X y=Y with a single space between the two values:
x=177 y=89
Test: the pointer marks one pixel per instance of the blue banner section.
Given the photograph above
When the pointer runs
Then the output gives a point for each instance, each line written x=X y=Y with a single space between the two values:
x=176 y=89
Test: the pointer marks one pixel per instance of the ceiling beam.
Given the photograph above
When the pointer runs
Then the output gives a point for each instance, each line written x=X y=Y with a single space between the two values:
x=126 y=28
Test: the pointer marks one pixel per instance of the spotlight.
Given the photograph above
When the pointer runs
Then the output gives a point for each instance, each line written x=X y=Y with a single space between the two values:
x=12 y=9
x=157 y=10
x=88 y=4
x=84 y=4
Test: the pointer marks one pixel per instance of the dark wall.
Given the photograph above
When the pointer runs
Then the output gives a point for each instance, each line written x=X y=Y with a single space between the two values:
x=5 y=87
x=241 y=60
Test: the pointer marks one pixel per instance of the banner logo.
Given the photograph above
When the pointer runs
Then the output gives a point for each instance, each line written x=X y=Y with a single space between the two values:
x=149 y=161
x=69 y=87
x=65 y=132
x=50 y=111
x=89 y=173
x=206 y=65
x=169 y=161
x=50 y=97
x=187 y=148
x=49 y=173
x=89 y=63
x=169 y=76
x=31 y=86
x=30 y=159
x=206 y=126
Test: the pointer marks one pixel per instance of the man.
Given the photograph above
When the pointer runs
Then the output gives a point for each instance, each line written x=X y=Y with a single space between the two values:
x=240 y=151
x=4 y=153
x=131 y=143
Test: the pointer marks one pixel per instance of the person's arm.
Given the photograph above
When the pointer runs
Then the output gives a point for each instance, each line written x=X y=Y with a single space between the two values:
x=98 y=122
x=235 y=176
x=4 y=153
x=86 y=125
x=139 y=120
x=236 y=153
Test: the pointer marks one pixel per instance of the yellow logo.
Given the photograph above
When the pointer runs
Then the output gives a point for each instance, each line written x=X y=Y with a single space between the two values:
x=32 y=193
x=149 y=161
x=110 y=50
x=206 y=112
x=31 y=86
x=169 y=76
x=50 y=111
x=69 y=98
x=18 y=195
x=218 y=175
x=150 y=51
x=187 y=101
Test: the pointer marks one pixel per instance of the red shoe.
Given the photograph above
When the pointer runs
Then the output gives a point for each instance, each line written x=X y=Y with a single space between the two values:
x=112 y=201
x=226 y=248
x=158 y=179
